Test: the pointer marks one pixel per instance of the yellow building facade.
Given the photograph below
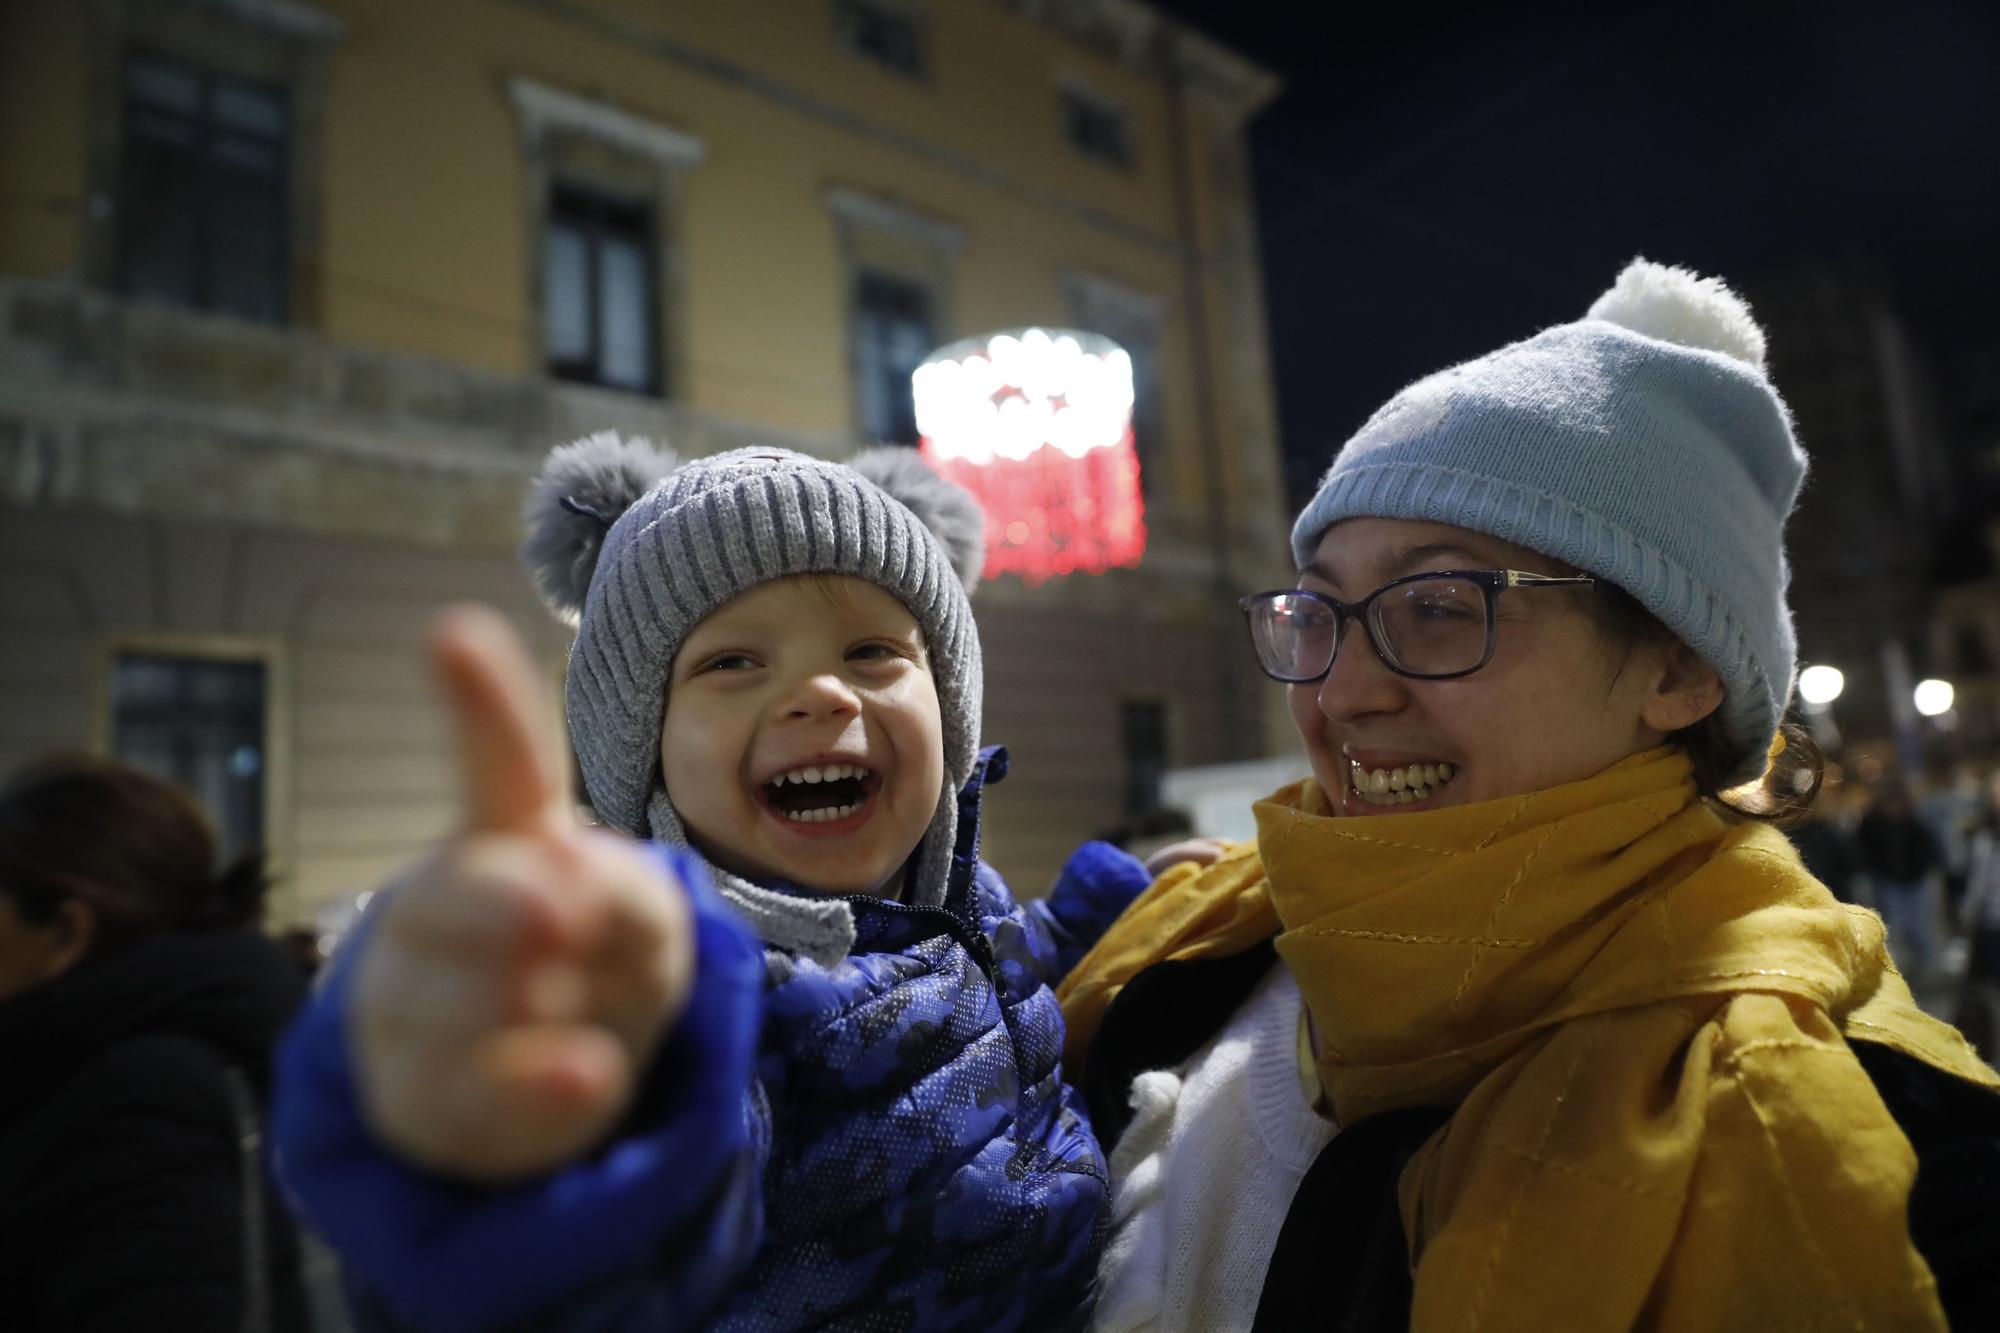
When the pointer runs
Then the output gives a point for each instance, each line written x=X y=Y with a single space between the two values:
x=294 y=297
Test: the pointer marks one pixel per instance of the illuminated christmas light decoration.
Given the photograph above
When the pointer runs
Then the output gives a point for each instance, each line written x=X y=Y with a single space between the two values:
x=1037 y=424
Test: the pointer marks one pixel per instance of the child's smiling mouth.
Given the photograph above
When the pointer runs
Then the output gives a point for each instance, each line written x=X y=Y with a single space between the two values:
x=828 y=796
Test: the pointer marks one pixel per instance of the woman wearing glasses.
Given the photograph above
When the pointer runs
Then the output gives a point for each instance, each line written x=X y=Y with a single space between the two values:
x=1520 y=1013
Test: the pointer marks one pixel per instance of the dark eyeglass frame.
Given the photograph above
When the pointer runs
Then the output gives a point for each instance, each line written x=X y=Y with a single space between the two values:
x=1490 y=582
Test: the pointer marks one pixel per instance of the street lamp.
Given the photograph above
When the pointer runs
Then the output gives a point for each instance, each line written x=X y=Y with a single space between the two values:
x=1932 y=697
x=1821 y=685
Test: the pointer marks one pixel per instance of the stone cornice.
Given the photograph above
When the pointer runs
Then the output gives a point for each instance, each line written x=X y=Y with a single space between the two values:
x=1140 y=37
x=882 y=213
x=542 y=108
x=1094 y=293
x=287 y=18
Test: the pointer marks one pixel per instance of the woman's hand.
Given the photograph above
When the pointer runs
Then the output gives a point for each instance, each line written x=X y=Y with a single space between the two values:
x=519 y=980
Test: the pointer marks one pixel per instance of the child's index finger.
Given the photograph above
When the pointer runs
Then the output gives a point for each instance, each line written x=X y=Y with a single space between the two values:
x=511 y=767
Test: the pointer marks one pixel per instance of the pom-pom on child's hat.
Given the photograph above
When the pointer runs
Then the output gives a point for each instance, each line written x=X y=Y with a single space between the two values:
x=1643 y=444
x=636 y=548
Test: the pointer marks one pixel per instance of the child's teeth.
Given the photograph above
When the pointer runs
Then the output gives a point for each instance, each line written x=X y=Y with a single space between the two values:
x=823 y=814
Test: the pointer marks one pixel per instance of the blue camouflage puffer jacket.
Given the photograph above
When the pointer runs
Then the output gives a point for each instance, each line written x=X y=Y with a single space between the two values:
x=886 y=1143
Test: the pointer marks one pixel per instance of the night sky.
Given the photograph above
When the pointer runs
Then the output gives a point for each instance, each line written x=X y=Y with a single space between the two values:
x=1435 y=183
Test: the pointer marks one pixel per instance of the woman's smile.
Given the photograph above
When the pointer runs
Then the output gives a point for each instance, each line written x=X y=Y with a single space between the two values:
x=1376 y=787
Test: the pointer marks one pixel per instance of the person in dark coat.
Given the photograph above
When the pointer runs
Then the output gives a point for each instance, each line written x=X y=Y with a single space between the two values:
x=138 y=1009
x=1828 y=851
x=1899 y=853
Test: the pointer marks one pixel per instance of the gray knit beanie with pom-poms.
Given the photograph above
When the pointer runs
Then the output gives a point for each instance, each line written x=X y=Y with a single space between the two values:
x=636 y=549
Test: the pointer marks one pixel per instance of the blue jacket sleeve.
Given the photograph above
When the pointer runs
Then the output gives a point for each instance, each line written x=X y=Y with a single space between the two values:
x=659 y=1221
x=1096 y=884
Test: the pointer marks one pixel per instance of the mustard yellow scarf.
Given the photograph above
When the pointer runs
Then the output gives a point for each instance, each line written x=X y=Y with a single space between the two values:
x=1641 y=1012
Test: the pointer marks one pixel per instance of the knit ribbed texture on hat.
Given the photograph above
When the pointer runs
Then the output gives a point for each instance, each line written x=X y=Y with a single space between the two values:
x=713 y=529
x=1666 y=469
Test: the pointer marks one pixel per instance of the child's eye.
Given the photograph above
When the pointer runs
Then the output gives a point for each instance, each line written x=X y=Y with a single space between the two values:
x=729 y=662
x=878 y=650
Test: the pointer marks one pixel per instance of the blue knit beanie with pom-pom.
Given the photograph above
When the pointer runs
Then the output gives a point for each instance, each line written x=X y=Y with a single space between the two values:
x=1643 y=444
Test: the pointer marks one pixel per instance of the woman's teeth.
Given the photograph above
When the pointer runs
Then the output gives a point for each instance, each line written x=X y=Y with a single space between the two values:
x=1398 y=786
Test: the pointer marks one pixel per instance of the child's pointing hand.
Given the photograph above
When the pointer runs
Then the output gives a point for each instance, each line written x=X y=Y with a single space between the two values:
x=518 y=982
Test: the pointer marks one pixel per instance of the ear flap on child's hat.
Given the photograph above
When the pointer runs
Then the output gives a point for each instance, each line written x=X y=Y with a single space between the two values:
x=582 y=489
x=944 y=507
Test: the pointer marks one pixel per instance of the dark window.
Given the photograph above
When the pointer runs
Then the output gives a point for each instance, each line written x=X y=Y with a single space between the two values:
x=1147 y=424
x=599 y=291
x=893 y=334
x=884 y=33
x=1973 y=657
x=198 y=723
x=201 y=190
x=1096 y=129
x=1143 y=724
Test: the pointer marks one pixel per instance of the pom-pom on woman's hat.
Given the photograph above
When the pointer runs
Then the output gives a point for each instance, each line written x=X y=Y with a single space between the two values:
x=1643 y=444
x=636 y=548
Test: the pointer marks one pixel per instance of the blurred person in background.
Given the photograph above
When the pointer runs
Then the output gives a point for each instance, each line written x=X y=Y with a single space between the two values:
x=1979 y=1004
x=1900 y=854
x=1826 y=845
x=138 y=1008
x=1954 y=809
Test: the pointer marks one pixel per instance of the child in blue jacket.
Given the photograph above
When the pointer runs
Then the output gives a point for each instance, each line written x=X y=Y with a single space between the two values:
x=556 y=1082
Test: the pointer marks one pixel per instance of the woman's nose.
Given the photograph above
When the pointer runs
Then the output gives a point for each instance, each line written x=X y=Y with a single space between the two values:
x=1359 y=682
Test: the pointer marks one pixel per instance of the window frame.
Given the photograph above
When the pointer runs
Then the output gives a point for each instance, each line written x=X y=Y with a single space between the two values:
x=1131 y=318
x=848 y=37
x=591 y=219
x=571 y=141
x=883 y=234
x=277 y=733
x=858 y=319
x=207 y=133
x=286 y=46
x=1076 y=105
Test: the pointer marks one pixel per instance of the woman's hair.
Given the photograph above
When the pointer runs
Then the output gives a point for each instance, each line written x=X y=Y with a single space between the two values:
x=135 y=849
x=1791 y=779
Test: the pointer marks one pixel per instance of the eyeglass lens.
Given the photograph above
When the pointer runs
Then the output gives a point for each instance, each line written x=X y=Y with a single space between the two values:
x=1427 y=627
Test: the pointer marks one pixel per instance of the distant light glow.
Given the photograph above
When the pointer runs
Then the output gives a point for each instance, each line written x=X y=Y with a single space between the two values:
x=1037 y=424
x=1820 y=685
x=1933 y=697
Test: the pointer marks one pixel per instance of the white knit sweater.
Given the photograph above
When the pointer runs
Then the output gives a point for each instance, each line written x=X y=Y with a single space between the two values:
x=1206 y=1172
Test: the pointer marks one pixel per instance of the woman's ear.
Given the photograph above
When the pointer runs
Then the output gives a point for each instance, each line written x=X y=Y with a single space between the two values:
x=67 y=938
x=1686 y=690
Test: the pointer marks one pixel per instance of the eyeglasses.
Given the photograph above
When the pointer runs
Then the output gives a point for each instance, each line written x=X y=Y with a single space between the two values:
x=1426 y=626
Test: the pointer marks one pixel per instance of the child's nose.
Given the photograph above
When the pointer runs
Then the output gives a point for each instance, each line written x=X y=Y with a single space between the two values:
x=823 y=694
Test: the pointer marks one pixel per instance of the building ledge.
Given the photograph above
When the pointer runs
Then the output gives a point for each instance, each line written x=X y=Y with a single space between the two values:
x=134 y=407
